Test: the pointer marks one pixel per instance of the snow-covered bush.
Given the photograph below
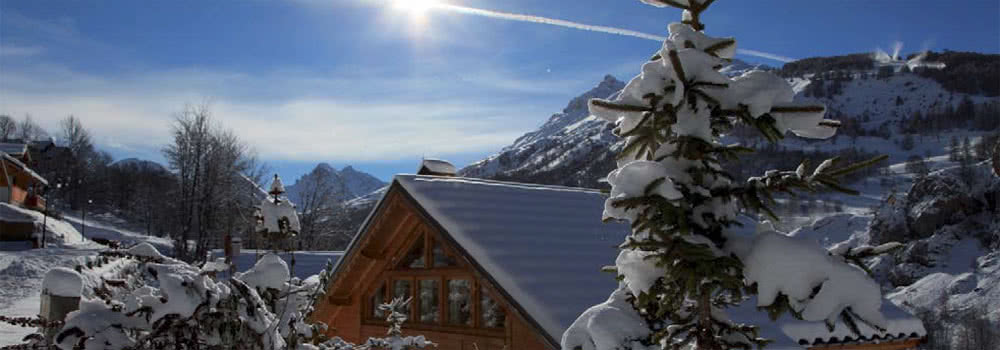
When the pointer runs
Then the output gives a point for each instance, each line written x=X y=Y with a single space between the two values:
x=169 y=304
x=693 y=252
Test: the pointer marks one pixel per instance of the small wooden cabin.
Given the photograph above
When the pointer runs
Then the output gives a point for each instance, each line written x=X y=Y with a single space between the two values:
x=19 y=184
x=495 y=265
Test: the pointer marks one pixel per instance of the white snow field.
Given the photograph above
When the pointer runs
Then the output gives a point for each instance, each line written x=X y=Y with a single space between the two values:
x=22 y=270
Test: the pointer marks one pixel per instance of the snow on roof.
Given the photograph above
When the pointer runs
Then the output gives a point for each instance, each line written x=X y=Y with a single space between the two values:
x=544 y=245
x=21 y=165
x=15 y=149
x=437 y=167
x=10 y=213
x=789 y=333
x=272 y=213
x=277 y=186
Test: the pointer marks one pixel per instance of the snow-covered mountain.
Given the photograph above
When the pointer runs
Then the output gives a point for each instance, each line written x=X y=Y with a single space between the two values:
x=574 y=149
x=568 y=149
x=347 y=183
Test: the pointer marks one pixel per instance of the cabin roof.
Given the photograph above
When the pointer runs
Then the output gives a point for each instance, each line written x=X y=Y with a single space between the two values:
x=544 y=246
x=14 y=149
x=431 y=166
x=22 y=166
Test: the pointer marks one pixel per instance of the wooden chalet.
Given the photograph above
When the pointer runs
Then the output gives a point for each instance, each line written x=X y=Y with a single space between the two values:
x=19 y=184
x=499 y=266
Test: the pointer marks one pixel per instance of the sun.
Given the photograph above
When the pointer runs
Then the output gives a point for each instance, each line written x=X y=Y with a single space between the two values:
x=416 y=8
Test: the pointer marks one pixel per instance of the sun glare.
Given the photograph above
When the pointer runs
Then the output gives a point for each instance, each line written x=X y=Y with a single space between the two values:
x=415 y=7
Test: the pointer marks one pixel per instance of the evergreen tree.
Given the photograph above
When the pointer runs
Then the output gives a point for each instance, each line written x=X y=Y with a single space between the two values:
x=966 y=160
x=690 y=256
x=907 y=143
x=953 y=150
x=916 y=165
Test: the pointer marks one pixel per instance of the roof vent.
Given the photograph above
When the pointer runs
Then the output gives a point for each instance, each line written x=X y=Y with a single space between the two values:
x=436 y=167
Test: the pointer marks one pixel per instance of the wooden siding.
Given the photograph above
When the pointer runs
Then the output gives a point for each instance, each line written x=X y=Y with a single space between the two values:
x=396 y=224
x=885 y=345
x=16 y=231
x=22 y=181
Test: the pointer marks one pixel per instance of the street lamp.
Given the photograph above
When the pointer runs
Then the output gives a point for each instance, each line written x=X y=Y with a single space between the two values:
x=83 y=219
x=45 y=217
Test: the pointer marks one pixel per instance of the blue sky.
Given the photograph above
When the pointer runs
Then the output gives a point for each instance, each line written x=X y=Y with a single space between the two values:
x=363 y=82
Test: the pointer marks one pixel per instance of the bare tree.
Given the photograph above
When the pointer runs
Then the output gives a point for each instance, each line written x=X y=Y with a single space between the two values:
x=209 y=162
x=28 y=130
x=318 y=206
x=8 y=127
x=84 y=161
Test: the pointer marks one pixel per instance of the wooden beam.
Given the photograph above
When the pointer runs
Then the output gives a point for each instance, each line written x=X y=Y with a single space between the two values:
x=883 y=345
x=339 y=300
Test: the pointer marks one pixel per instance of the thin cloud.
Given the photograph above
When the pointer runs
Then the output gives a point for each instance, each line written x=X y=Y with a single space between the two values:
x=132 y=114
x=19 y=51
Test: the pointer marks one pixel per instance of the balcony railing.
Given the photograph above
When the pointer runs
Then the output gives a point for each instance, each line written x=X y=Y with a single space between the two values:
x=35 y=202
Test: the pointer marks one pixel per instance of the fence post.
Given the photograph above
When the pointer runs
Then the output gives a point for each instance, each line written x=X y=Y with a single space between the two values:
x=61 y=291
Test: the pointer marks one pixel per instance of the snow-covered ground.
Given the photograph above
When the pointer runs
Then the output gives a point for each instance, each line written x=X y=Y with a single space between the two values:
x=97 y=229
x=21 y=274
x=22 y=270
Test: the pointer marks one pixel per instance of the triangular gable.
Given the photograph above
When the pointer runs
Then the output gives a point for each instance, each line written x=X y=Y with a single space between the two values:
x=541 y=245
x=398 y=249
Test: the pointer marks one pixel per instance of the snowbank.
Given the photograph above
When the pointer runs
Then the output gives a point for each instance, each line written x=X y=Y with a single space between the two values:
x=57 y=232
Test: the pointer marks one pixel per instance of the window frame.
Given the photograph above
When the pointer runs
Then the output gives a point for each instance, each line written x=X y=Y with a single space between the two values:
x=461 y=271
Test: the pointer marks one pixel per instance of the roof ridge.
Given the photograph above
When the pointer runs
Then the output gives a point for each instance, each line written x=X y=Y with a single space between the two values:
x=475 y=180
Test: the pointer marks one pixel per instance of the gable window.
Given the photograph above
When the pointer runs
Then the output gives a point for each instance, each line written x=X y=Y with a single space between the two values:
x=401 y=289
x=377 y=298
x=460 y=302
x=442 y=259
x=415 y=258
x=430 y=308
x=493 y=315
x=445 y=294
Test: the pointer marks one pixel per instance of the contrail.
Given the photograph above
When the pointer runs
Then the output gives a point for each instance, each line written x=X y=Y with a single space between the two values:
x=582 y=26
x=762 y=54
x=552 y=21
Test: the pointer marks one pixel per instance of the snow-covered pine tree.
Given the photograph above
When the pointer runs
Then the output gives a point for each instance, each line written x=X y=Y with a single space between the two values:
x=692 y=254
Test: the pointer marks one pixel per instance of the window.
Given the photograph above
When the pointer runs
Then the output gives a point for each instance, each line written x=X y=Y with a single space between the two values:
x=444 y=294
x=402 y=289
x=441 y=258
x=493 y=316
x=430 y=303
x=460 y=302
x=378 y=298
x=414 y=258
